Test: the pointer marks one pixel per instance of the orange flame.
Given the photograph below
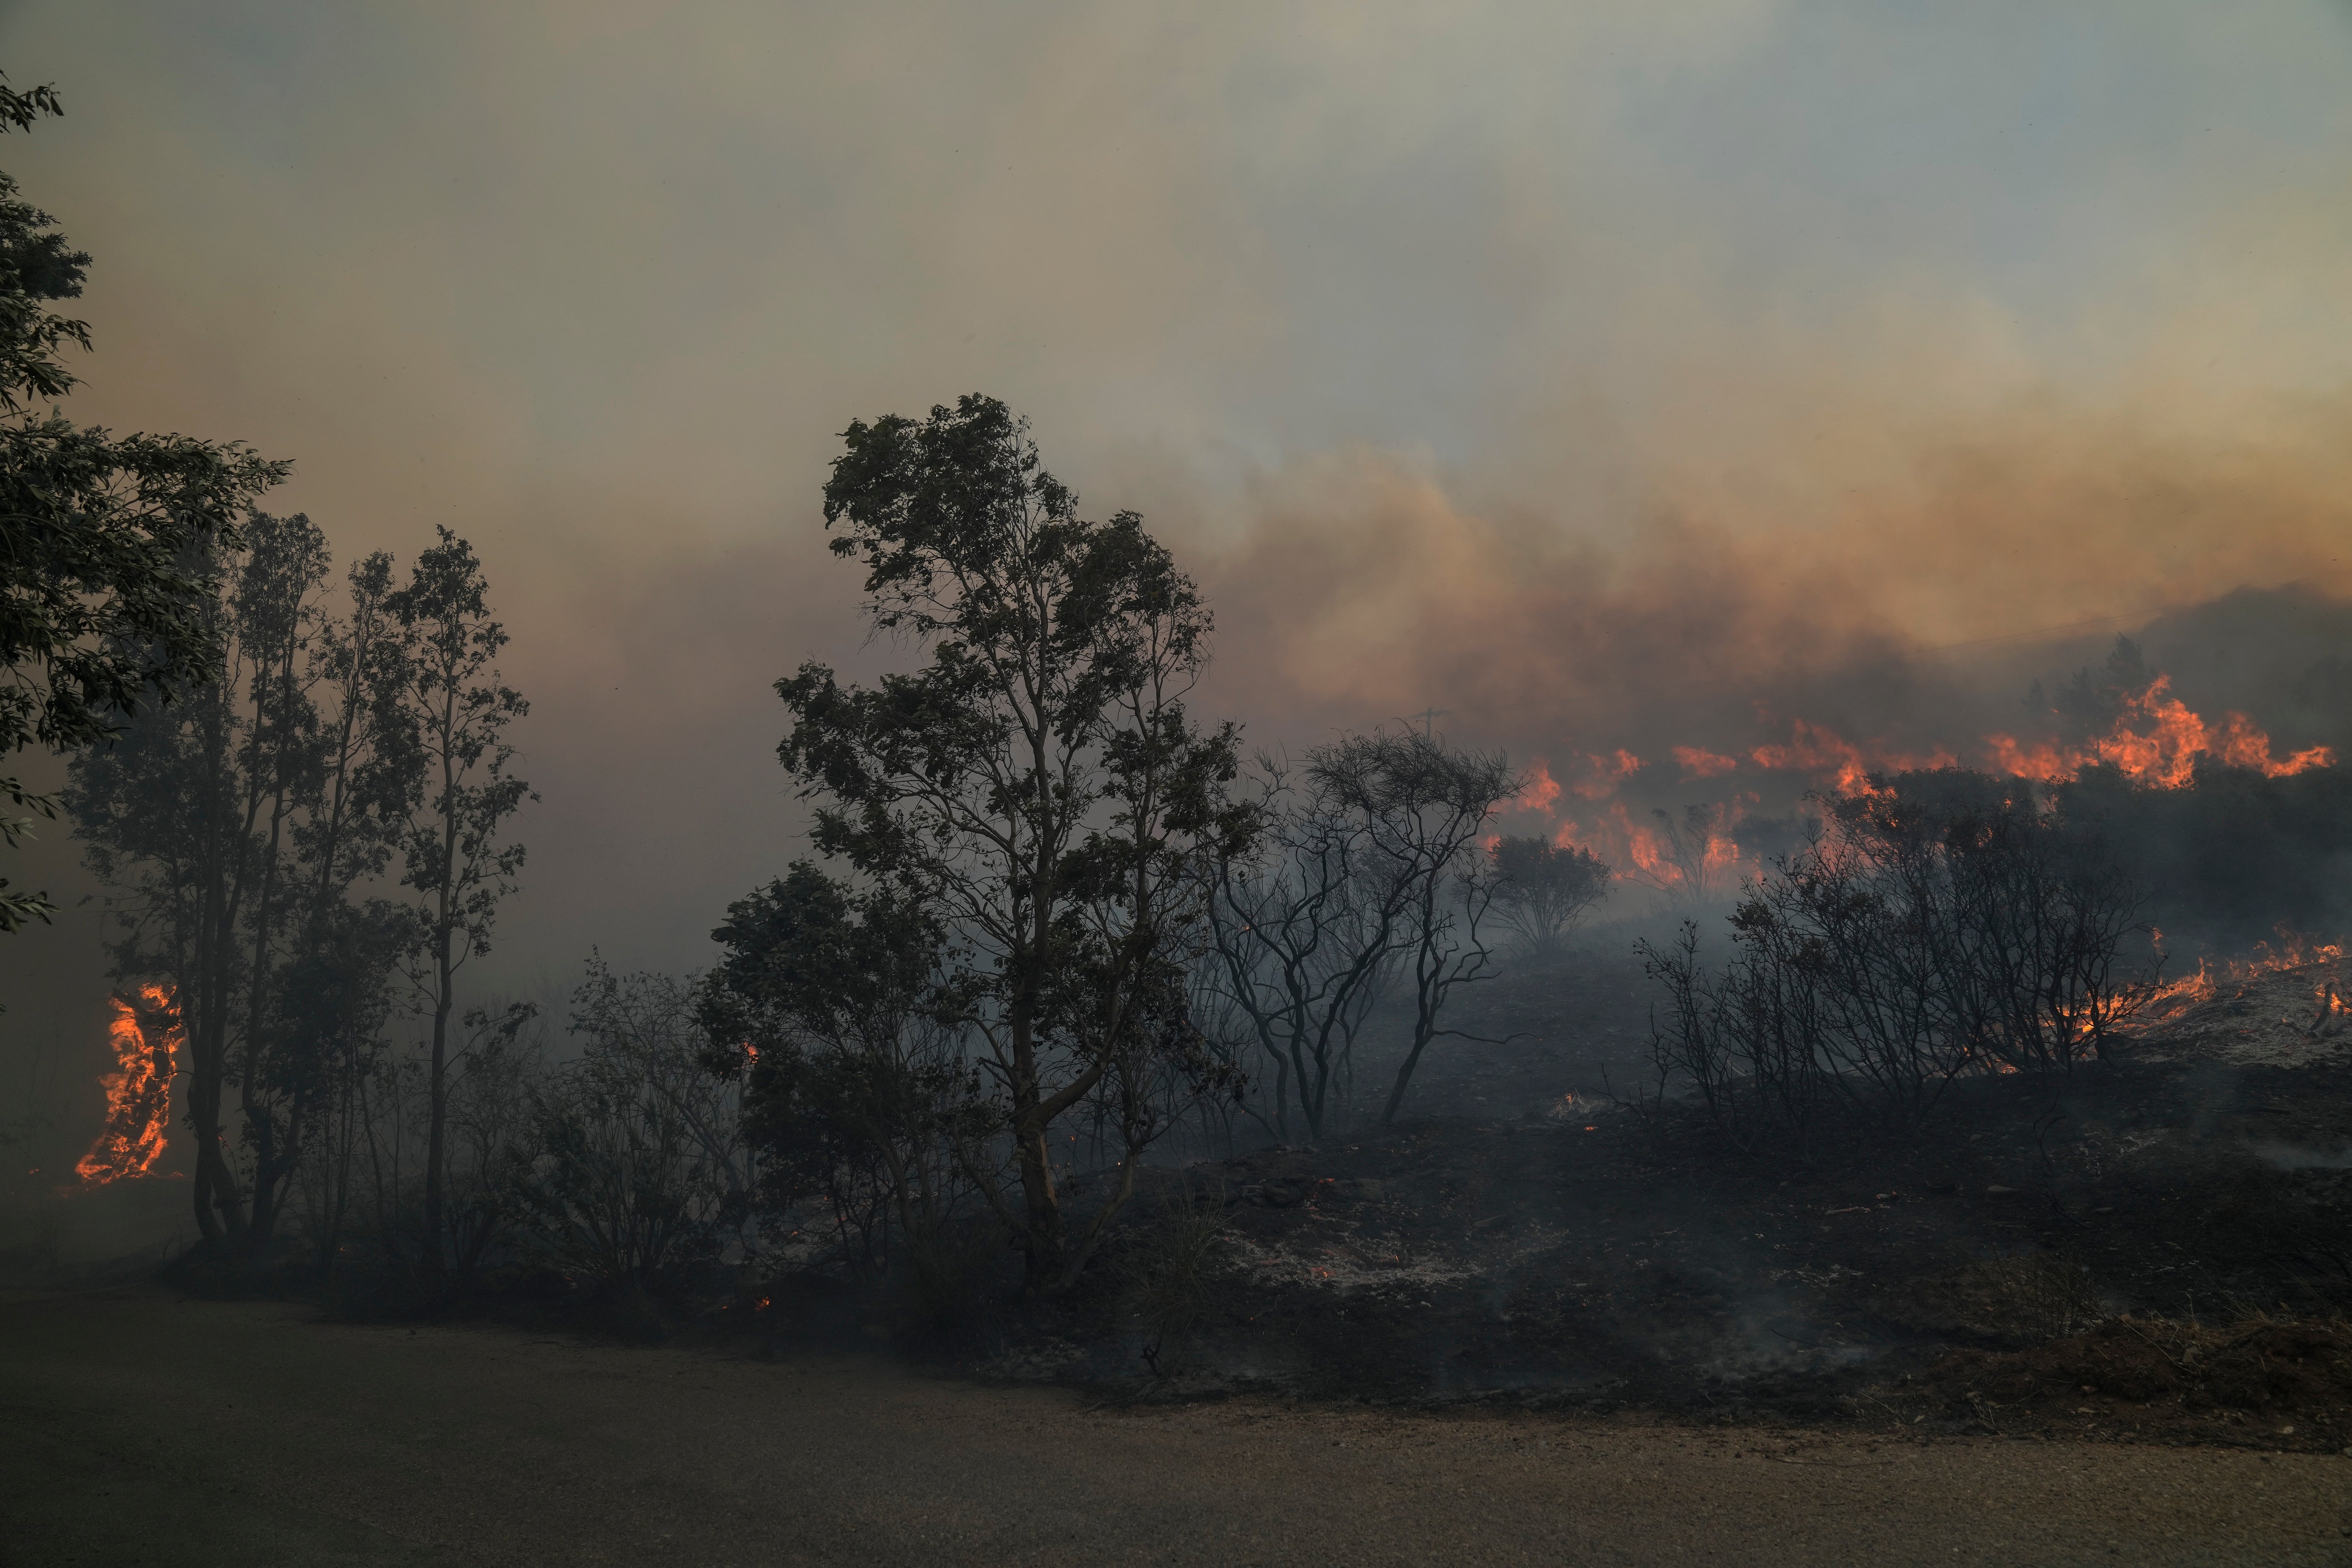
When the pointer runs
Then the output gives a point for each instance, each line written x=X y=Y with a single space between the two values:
x=139 y=1091
x=1641 y=852
x=2156 y=741
x=1817 y=750
x=2174 y=997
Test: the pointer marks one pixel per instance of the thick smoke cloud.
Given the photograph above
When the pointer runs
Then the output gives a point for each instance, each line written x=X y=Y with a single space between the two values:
x=1614 y=376
x=1915 y=614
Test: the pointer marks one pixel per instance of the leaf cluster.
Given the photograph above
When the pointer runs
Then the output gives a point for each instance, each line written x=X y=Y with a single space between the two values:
x=104 y=540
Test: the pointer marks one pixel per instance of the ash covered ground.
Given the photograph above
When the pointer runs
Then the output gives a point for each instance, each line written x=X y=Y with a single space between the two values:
x=2155 y=1248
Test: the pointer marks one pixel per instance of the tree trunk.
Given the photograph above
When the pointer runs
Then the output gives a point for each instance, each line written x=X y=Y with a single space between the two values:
x=203 y=1117
x=431 y=1263
x=1040 y=1248
x=444 y=978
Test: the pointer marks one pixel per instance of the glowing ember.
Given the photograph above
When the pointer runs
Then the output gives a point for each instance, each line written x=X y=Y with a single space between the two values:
x=139 y=1091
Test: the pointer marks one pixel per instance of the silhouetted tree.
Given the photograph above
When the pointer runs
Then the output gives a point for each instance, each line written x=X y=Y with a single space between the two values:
x=832 y=1006
x=1946 y=922
x=1307 y=922
x=640 y=1163
x=1038 y=783
x=2092 y=701
x=1543 y=888
x=1428 y=803
x=190 y=813
x=451 y=712
x=1366 y=876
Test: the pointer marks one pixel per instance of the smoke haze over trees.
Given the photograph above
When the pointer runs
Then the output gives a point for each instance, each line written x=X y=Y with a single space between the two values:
x=1670 y=548
x=1522 y=468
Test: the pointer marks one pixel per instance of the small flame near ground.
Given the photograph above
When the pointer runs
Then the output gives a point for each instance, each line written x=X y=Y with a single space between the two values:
x=145 y=1034
x=2175 y=997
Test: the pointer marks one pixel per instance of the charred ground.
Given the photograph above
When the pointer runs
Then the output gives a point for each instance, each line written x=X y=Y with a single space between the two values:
x=2155 y=1249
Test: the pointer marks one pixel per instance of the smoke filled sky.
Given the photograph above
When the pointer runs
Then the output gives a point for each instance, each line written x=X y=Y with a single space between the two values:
x=1591 y=371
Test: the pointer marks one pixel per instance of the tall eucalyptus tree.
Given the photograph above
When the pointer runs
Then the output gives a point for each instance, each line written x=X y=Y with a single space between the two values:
x=1038 y=784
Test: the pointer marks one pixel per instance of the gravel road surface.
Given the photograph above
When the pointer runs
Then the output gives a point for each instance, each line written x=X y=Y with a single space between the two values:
x=144 y=1429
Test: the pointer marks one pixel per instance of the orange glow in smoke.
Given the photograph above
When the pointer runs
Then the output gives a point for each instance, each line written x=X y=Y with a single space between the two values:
x=1540 y=789
x=1701 y=763
x=1641 y=850
x=1608 y=773
x=1816 y=750
x=139 y=1091
x=2155 y=743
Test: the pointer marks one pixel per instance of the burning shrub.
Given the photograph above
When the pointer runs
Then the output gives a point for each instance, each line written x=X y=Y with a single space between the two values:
x=1943 y=923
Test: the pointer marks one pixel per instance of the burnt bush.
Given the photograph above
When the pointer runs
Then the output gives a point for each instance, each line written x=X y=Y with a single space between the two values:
x=1938 y=923
x=2294 y=1224
x=1169 y=1272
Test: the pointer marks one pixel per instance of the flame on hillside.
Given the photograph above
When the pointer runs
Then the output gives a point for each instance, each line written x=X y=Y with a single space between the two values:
x=2174 y=997
x=2156 y=741
x=145 y=1034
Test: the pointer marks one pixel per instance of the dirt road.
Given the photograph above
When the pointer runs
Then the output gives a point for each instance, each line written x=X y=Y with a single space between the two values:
x=141 y=1429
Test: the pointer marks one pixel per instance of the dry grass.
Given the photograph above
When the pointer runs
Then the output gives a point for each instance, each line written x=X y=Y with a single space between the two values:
x=1168 y=1272
x=2255 y=1365
x=2029 y=1298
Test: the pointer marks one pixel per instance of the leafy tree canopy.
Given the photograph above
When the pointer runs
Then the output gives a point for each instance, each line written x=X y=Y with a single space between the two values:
x=102 y=539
